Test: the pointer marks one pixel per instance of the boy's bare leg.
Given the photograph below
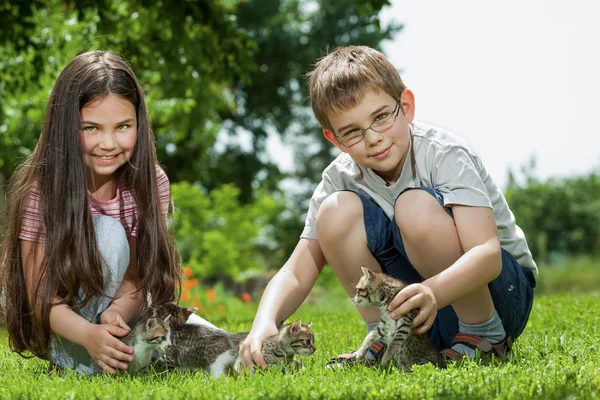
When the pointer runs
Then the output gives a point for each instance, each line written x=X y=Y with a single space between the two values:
x=343 y=239
x=432 y=245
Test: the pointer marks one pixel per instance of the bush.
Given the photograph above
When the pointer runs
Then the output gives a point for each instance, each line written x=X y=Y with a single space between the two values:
x=217 y=236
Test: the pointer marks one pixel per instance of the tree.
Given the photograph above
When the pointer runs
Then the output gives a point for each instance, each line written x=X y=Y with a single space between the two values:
x=210 y=69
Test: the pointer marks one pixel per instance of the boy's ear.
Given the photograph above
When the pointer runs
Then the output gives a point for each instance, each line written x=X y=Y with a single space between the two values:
x=407 y=101
x=331 y=138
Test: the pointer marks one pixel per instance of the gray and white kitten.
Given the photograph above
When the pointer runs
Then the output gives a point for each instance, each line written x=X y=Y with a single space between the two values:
x=149 y=334
x=403 y=346
x=216 y=351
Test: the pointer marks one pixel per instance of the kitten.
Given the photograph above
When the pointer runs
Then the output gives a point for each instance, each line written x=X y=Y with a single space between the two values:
x=280 y=348
x=178 y=315
x=217 y=351
x=149 y=334
x=403 y=347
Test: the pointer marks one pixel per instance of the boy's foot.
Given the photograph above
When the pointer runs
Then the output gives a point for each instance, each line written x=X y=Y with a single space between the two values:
x=501 y=351
x=372 y=357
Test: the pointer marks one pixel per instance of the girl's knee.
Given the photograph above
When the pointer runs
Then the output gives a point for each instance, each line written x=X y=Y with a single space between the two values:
x=338 y=214
x=417 y=212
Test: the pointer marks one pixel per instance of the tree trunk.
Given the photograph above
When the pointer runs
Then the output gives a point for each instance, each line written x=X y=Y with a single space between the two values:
x=2 y=196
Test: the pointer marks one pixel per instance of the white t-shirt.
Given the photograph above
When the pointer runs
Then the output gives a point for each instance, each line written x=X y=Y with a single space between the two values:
x=443 y=162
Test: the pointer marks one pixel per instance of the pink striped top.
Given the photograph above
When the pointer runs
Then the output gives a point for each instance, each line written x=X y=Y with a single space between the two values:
x=122 y=208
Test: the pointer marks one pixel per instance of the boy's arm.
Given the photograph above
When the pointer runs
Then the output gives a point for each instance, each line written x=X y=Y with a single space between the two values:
x=282 y=297
x=128 y=301
x=99 y=340
x=480 y=264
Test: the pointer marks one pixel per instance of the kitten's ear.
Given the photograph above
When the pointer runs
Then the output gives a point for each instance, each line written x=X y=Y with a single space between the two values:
x=151 y=323
x=166 y=320
x=309 y=324
x=191 y=310
x=295 y=327
x=367 y=272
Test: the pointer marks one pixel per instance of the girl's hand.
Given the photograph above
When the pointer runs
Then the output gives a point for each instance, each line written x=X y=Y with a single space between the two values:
x=113 y=317
x=415 y=296
x=251 y=349
x=106 y=349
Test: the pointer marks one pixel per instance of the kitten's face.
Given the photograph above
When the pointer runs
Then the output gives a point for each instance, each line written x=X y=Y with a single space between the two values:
x=367 y=289
x=179 y=315
x=302 y=338
x=157 y=332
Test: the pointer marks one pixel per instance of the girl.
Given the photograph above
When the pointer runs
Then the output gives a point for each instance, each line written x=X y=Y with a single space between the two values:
x=86 y=237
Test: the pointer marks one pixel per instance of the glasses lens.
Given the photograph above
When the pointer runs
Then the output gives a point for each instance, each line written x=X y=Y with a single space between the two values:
x=384 y=124
x=350 y=140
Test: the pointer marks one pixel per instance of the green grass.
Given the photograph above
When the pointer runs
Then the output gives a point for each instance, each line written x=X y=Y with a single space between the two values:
x=557 y=357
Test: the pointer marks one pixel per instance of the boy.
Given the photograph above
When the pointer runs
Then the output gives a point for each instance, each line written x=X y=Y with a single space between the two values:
x=410 y=200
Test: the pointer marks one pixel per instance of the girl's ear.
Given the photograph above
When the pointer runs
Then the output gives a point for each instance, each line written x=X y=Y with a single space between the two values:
x=331 y=138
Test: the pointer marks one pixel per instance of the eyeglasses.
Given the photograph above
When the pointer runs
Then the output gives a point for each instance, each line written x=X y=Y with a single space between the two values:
x=382 y=123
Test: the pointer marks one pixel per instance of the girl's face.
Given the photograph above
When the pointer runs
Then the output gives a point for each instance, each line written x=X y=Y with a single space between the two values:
x=108 y=137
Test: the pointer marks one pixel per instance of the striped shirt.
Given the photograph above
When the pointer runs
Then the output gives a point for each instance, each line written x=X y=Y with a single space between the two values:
x=122 y=208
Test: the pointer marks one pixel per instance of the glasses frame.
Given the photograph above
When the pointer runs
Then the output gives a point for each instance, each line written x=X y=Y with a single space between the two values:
x=395 y=113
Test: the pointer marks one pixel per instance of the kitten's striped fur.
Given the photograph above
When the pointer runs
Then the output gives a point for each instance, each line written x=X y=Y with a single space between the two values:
x=403 y=347
x=217 y=351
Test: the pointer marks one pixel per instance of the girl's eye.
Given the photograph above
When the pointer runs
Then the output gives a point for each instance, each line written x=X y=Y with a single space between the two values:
x=122 y=126
x=90 y=128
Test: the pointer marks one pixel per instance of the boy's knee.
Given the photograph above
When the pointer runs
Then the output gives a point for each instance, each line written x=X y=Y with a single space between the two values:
x=338 y=213
x=417 y=212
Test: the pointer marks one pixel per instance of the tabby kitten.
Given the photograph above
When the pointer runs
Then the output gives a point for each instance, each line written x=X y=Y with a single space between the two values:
x=149 y=334
x=403 y=347
x=177 y=315
x=217 y=351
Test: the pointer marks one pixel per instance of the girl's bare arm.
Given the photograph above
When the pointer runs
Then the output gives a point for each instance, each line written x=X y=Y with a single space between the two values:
x=100 y=341
x=128 y=301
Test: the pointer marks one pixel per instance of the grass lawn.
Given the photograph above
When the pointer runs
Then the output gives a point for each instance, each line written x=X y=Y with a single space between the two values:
x=557 y=357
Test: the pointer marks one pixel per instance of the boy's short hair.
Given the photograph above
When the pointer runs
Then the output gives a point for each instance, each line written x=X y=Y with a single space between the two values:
x=341 y=79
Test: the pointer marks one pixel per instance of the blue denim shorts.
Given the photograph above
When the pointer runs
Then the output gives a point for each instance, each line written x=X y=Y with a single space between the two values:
x=512 y=290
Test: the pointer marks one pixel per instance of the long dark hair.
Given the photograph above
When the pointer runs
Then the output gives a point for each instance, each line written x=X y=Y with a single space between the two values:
x=71 y=260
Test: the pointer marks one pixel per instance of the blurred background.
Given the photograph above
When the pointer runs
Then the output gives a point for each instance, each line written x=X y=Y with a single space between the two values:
x=226 y=89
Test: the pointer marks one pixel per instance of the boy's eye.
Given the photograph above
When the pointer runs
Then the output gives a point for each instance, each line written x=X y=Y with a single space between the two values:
x=352 y=132
x=381 y=117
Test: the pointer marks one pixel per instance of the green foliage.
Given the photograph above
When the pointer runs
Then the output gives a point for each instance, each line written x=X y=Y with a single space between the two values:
x=211 y=69
x=187 y=59
x=216 y=235
x=555 y=358
x=573 y=275
x=558 y=216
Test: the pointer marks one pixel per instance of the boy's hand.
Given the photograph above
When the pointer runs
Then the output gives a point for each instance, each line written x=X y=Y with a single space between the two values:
x=106 y=349
x=113 y=317
x=251 y=349
x=415 y=296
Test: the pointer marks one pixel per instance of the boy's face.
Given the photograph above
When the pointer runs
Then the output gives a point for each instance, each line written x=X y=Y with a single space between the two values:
x=383 y=152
